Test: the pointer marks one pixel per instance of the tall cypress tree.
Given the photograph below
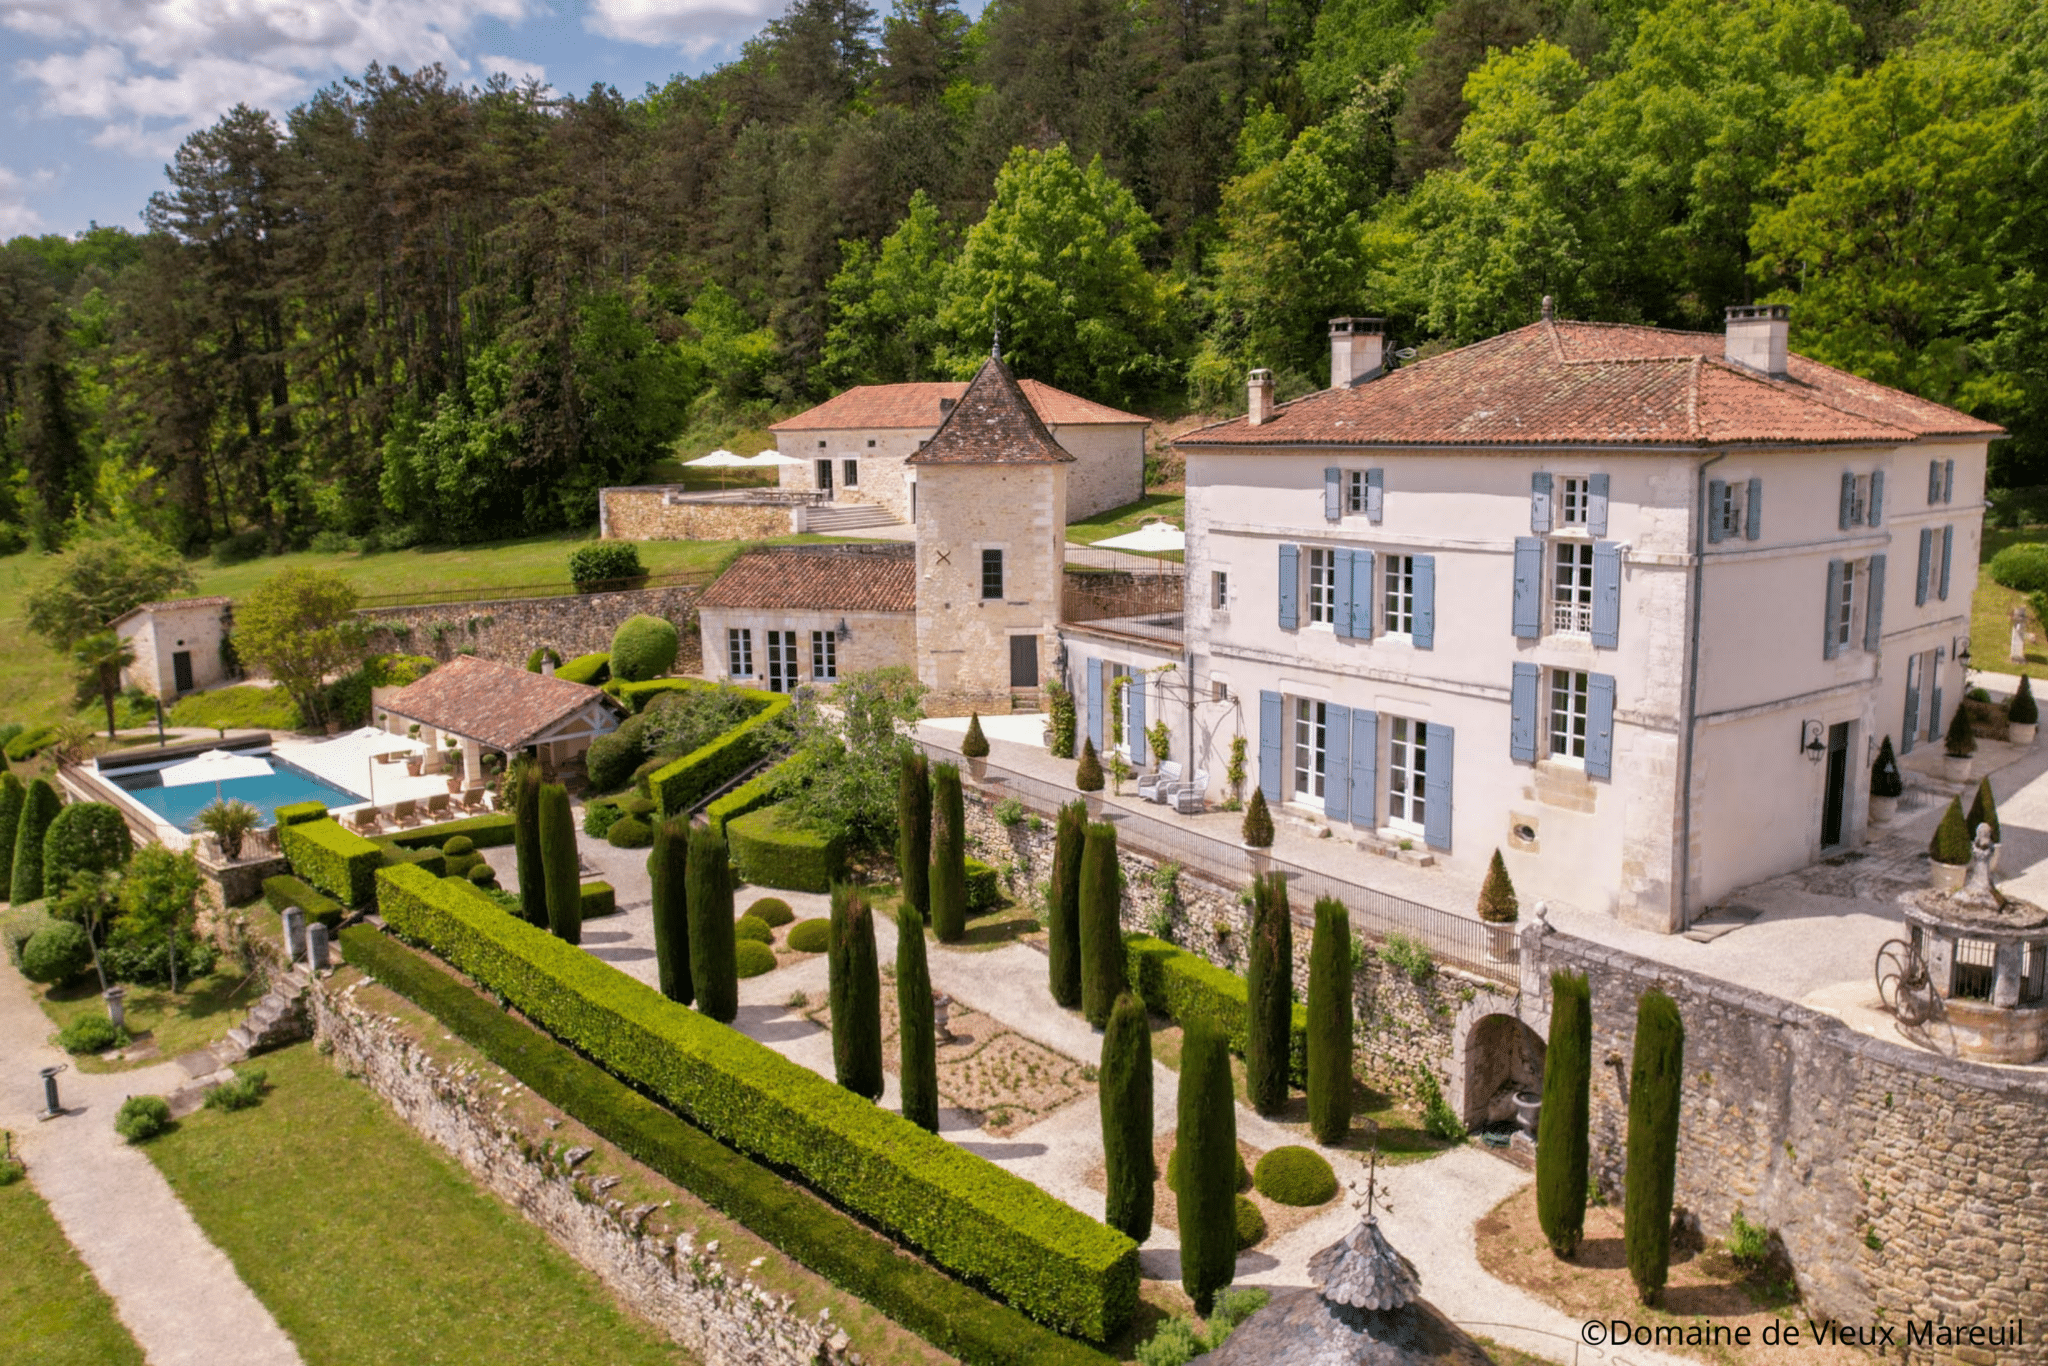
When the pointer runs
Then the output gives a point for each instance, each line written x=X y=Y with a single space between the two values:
x=949 y=856
x=918 y=1050
x=559 y=865
x=1562 y=1144
x=1269 y=982
x=1329 y=1023
x=1063 y=905
x=533 y=883
x=667 y=869
x=1126 y=1100
x=13 y=796
x=713 y=968
x=1102 y=939
x=854 y=984
x=1655 y=1081
x=39 y=806
x=914 y=832
x=1207 y=1189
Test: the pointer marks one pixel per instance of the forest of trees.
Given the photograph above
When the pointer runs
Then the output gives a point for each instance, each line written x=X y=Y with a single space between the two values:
x=409 y=310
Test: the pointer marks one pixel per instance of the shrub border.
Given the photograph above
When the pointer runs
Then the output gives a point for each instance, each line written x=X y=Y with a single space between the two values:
x=1185 y=986
x=683 y=783
x=339 y=862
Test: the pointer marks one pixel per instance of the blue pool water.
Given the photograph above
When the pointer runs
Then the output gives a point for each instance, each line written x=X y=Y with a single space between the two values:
x=180 y=806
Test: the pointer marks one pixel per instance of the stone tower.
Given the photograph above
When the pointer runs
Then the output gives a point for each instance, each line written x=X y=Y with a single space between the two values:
x=991 y=531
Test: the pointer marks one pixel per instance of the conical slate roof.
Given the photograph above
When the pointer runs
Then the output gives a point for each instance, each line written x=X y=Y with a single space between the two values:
x=992 y=424
x=1362 y=1271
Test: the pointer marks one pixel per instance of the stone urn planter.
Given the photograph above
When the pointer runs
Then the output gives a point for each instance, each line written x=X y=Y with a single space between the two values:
x=2021 y=732
x=1528 y=1109
x=1882 y=809
x=1955 y=767
x=977 y=767
x=1501 y=939
x=1946 y=877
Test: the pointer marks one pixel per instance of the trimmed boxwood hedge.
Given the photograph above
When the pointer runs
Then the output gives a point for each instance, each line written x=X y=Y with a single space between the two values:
x=751 y=795
x=590 y=669
x=598 y=899
x=285 y=890
x=298 y=813
x=638 y=695
x=483 y=832
x=772 y=853
x=984 y=887
x=682 y=783
x=1183 y=986
x=809 y=936
x=970 y=1216
x=751 y=958
x=1294 y=1175
x=339 y=862
x=952 y=1317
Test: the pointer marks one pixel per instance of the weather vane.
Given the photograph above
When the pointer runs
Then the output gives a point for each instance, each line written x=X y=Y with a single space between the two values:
x=995 y=349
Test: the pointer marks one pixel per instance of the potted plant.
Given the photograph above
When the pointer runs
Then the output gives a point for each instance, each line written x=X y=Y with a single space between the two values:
x=1088 y=776
x=974 y=748
x=1949 y=851
x=1119 y=772
x=1887 y=785
x=1958 y=745
x=1258 y=827
x=1499 y=909
x=2021 y=715
x=229 y=822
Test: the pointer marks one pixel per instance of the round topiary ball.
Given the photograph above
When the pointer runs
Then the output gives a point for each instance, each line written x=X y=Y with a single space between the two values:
x=483 y=875
x=1244 y=1178
x=630 y=833
x=746 y=927
x=772 y=911
x=460 y=844
x=89 y=1034
x=1295 y=1176
x=809 y=936
x=57 y=953
x=644 y=647
x=1251 y=1225
x=753 y=958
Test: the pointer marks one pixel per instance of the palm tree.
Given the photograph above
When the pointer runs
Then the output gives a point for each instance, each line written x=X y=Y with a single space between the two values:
x=100 y=657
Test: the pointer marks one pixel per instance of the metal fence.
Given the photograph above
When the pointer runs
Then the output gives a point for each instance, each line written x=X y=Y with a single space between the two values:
x=1452 y=939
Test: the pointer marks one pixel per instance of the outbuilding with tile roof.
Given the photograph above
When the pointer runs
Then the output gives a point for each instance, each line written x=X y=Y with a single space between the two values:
x=488 y=706
x=781 y=616
x=178 y=645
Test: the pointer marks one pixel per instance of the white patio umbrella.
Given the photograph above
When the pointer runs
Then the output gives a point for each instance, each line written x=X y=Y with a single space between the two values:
x=771 y=458
x=1153 y=538
x=721 y=461
x=215 y=766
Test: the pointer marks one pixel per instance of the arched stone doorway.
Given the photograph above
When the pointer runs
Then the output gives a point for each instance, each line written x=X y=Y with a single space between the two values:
x=1501 y=1055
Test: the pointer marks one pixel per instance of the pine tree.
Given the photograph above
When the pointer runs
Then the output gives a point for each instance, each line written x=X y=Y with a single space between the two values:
x=1562 y=1143
x=1984 y=812
x=39 y=807
x=949 y=856
x=1654 y=1085
x=1258 y=822
x=1102 y=940
x=668 y=870
x=914 y=833
x=918 y=1050
x=559 y=864
x=13 y=797
x=1498 y=904
x=1951 y=841
x=854 y=986
x=1206 y=1193
x=1126 y=1101
x=1088 y=770
x=1063 y=905
x=533 y=884
x=713 y=968
x=1269 y=982
x=1329 y=1023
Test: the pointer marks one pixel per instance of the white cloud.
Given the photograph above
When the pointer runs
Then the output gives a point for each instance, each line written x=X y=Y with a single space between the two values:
x=518 y=68
x=150 y=71
x=695 y=26
x=16 y=215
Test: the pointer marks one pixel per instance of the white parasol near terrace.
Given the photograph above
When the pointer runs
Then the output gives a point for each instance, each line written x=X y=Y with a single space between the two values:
x=1153 y=538
x=215 y=766
x=770 y=459
x=721 y=461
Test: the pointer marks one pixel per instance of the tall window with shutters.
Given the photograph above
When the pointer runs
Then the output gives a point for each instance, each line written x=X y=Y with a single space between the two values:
x=1311 y=750
x=1400 y=595
x=739 y=651
x=1574 y=501
x=1407 y=773
x=1571 y=588
x=1569 y=690
x=1322 y=587
x=1842 y=620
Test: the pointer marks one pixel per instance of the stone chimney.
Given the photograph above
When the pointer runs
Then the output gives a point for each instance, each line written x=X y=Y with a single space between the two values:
x=1357 y=350
x=1757 y=336
x=1259 y=389
x=945 y=407
x=547 y=666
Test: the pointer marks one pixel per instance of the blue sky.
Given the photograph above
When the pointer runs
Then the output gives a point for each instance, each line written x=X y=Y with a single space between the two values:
x=97 y=94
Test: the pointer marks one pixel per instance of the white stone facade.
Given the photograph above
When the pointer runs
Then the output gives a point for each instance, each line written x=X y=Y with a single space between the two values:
x=177 y=646
x=826 y=645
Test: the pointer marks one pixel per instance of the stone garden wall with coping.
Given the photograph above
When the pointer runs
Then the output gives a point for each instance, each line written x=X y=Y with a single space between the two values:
x=1408 y=1011
x=508 y=630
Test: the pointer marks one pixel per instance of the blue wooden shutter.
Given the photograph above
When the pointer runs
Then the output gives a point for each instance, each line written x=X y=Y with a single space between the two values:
x=1539 y=502
x=1270 y=723
x=1596 y=504
x=1848 y=499
x=1934 y=727
x=1134 y=722
x=1877 y=497
x=1337 y=762
x=1948 y=481
x=1926 y=572
x=1333 y=504
x=1425 y=602
x=1436 y=789
x=1340 y=605
x=1910 y=732
x=1095 y=709
x=1873 y=611
x=1290 y=586
x=1755 y=529
x=1600 y=725
x=1933 y=482
x=1948 y=546
x=1365 y=768
x=1717 y=501
x=1528 y=587
x=1361 y=594
x=1829 y=647
x=1522 y=713
x=1606 y=595
x=1375 y=493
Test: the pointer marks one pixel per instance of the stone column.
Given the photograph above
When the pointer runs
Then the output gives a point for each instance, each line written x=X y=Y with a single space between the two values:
x=294 y=933
x=2005 y=984
x=316 y=947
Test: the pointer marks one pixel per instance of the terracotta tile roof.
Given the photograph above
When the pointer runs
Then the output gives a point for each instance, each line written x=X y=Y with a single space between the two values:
x=1584 y=384
x=167 y=605
x=992 y=424
x=867 y=578
x=495 y=704
x=913 y=406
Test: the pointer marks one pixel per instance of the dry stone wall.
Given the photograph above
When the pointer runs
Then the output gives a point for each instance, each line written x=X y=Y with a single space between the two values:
x=508 y=630
x=716 y=1312
x=656 y=514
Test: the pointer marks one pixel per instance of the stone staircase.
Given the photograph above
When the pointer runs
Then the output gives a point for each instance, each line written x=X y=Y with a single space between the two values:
x=839 y=518
x=278 y=1018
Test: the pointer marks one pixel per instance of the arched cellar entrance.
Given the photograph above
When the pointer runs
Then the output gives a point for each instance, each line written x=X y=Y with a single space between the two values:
x=1502 y=1055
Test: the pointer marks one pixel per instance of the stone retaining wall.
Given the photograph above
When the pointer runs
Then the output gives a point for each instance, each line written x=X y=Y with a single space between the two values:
x=647 y=514
x=1902 y=1183
x=716 y=1312
x=508 y=630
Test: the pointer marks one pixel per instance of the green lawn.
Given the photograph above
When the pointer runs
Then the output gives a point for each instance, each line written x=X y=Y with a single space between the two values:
x=1115 y=522
x=52 y=1312
x=1991 y=614
x=199 y=1014
x=373 y=1248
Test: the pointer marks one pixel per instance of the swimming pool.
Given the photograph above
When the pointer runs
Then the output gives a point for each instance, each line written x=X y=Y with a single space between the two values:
x=180 y=806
